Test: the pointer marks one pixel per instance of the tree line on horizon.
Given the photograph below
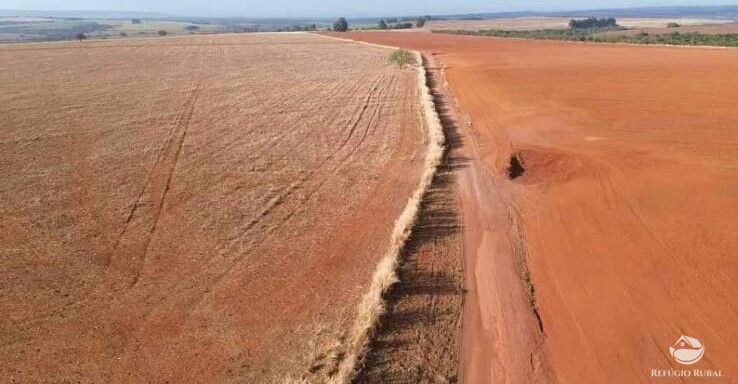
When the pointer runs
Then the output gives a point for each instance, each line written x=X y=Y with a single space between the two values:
x=593 y=22
x=341 y=24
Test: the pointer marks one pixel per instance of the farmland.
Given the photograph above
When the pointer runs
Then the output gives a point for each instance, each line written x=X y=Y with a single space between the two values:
x=195 y=209
x=708 y=29
x=201 y=206
x=110 y=25
x=598 y=202
x=27 y=29
x=548 y=22
x=659 y=31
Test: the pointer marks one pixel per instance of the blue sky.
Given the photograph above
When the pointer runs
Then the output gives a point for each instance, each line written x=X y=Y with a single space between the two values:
x=331 y=8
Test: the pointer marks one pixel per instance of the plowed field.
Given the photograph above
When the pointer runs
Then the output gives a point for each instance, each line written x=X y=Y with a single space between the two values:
x=599 y=207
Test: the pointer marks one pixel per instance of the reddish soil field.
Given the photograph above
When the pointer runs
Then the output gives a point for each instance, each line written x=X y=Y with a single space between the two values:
x=200 y=209
x=618 y=234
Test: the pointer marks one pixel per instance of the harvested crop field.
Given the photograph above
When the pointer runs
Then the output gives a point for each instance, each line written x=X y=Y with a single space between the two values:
x=195 y=209
x=542 y=22
x=598 y=202
x=711 y=29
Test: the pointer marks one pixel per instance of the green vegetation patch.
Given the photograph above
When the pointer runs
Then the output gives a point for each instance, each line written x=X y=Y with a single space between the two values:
x=402 y=57
x=539 y=34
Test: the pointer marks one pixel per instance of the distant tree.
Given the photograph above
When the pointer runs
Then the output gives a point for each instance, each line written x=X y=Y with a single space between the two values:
x=592 y=22
x=420 y=23
x=162 y=32
x=392 y=20
x=402 y=26
x=123 y=34
x=341 y=25
x=672 y=25
x=80 y=36
x=192 y=27
x=135 y=21
x=382 y=24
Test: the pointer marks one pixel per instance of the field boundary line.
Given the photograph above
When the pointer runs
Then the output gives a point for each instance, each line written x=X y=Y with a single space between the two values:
x=373 y=303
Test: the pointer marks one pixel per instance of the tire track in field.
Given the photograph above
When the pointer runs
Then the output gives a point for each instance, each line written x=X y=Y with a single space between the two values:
x=131 y=248
x=223 y=266
x=373 y=97
x=351 y=154
x=143 y=218
x=373 y=104
x=343 y=161
x=285 y=193
x=117 y=258
x=321 y=181
x=291 y=140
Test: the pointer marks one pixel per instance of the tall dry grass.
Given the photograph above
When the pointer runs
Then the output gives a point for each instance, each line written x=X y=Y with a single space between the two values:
x=373 y=303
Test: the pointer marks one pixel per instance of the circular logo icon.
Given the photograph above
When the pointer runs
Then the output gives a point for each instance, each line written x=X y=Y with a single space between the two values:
x=687 y=350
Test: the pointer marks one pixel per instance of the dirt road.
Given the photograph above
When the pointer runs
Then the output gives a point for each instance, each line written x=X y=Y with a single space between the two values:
x=623 y=207
x=199 y=209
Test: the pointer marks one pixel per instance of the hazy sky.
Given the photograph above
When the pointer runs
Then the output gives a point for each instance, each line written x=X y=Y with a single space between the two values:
x=316 y=8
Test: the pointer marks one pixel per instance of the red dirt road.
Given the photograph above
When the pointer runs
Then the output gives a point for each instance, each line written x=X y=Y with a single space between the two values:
x=625 y=213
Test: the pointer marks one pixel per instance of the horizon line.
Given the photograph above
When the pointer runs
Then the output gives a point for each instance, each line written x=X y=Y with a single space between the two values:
x=348 y=16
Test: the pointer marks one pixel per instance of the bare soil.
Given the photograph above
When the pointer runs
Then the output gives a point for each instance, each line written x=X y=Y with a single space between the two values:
x=195 y=209
x=620 y=228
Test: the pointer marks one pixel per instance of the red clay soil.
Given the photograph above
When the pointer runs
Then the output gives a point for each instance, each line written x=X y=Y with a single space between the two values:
x=625 y=209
